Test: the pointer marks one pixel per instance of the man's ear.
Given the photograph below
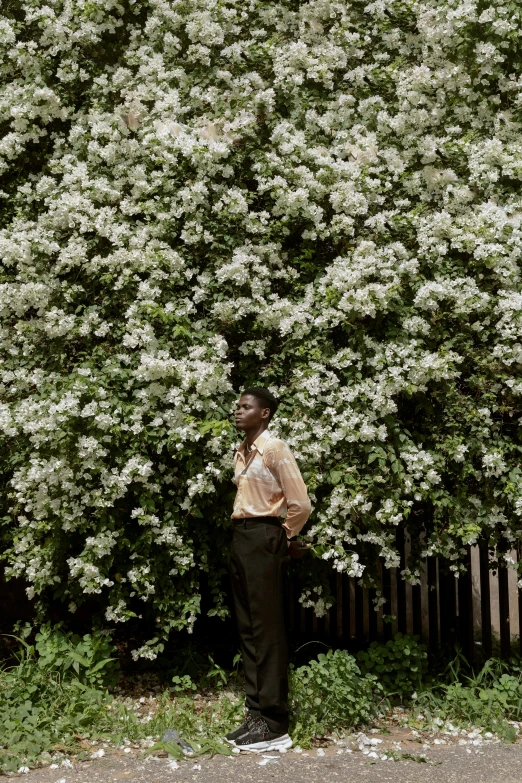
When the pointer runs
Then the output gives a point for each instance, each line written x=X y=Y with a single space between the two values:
x=265 y=413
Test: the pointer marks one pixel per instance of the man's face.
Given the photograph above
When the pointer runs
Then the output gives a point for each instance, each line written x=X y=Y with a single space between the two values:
x=250 y=414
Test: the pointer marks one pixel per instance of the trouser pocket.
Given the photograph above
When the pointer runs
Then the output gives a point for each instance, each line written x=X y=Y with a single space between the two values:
x=275 y=538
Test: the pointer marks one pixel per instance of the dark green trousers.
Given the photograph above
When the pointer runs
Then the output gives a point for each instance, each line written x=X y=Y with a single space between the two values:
x=258 y=564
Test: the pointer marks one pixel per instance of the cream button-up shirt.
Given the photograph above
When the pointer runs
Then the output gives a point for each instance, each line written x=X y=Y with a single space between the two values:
x=269 y=483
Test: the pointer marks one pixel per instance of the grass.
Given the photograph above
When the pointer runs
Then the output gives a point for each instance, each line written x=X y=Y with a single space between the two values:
x=488 y=699
x=55 y=699
x=59 y=697
x=44 y=717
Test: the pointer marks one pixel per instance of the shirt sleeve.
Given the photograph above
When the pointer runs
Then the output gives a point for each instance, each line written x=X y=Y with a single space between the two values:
x=281 y=462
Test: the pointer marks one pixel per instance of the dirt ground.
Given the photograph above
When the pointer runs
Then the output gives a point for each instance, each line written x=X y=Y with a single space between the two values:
x=396 y=754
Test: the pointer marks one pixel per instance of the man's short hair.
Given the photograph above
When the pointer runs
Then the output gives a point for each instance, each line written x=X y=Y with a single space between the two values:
x=264 y=397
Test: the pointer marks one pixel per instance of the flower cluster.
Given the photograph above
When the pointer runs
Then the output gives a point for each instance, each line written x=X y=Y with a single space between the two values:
x=322 y=197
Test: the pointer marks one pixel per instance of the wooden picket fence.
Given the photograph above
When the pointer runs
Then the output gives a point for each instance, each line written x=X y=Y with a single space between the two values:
x=481 y=608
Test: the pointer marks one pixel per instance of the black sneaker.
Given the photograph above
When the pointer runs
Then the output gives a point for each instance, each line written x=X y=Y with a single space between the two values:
x=259 y=738
x=245 y=727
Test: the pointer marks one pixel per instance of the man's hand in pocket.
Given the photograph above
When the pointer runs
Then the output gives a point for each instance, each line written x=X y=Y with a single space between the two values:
x=296 y=550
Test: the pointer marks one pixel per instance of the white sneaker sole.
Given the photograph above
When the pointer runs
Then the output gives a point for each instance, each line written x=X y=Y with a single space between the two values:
x=281 y=743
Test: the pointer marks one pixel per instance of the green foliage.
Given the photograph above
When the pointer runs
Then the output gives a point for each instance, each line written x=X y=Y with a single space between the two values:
x=400 y=664
x=331 y=693
x=216 y=674
x=46 y=706
x=211 y=746
x=92 y=657
x=487 y=699
x=182 y=683
x=202 y=729
x=195 y=724
x=52 y=694
x=194 y=667
x=322 y=197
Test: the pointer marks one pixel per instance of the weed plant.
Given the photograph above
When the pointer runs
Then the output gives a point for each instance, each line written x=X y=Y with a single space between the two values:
x=52 y=695
x=203 y=729
x=400 y=664
x=54 y=698
x=487 y=699
x=331 y=694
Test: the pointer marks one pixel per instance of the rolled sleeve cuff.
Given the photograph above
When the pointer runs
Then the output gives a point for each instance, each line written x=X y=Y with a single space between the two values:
x=296 y=518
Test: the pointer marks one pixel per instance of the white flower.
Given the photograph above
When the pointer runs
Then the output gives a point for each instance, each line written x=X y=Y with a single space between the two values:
x=178 y=237
x=494 y=464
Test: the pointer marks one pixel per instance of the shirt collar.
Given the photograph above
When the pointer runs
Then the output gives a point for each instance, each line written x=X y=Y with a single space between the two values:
x=258 y=444
x=261 y=440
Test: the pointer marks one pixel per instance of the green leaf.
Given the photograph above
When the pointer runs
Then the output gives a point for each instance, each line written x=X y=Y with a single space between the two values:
x=79 y=659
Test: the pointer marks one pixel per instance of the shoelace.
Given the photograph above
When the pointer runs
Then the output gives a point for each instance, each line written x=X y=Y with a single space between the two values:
x=261 y=725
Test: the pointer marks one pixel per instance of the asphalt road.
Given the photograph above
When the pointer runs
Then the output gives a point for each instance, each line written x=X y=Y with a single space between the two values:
x=450 y=764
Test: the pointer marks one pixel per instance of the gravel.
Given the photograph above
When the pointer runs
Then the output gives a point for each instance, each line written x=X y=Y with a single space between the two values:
x=455 y=763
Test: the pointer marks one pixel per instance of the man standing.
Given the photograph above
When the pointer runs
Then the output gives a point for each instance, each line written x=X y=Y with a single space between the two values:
x=268 y=485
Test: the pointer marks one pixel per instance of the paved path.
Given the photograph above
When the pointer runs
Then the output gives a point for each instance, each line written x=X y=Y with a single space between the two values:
x=449 y=764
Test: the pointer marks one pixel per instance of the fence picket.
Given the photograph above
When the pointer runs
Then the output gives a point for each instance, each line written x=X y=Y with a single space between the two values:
x=442 y=610
x=359 y=612
x=465 y=605
x=519 y=591
x=503 y=605
x=386 y=591
x=372 y=616
x=485 y=600
x=339 y=606
x=433 y=603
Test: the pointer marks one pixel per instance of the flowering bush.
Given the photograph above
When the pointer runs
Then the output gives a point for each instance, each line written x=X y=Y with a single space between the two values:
x=322 y=197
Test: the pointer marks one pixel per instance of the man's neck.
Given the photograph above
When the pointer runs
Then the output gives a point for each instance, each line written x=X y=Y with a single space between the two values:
x=252 y=436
